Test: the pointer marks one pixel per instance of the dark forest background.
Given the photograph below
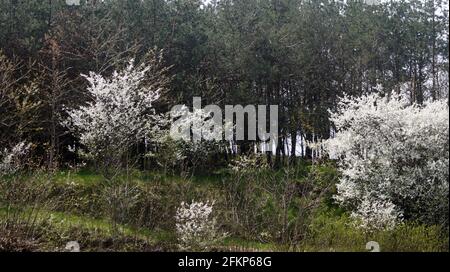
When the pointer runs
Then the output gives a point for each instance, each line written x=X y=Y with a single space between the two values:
x=300 y=54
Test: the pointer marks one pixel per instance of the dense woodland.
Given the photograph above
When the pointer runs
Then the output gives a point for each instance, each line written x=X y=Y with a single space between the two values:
x=300 y=55
x=362 y=153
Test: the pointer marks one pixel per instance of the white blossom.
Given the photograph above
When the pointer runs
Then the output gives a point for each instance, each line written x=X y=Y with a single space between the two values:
x=373 y=213
x=121 y=111
x=394 y=152
x=195 y=133
x=196 y=227
x=11 y=159
x=195 y=126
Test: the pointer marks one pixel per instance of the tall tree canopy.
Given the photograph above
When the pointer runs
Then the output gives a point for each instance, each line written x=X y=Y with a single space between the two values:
x=299 y=54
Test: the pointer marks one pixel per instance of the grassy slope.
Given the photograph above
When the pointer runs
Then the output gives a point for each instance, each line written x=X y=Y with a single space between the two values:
x=99 y=234
x=64 y=224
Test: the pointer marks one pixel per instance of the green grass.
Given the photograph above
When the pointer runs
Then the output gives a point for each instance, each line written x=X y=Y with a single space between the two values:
x=88 y=177
x=82 y=177
x=329 y=231
x=243 y=245
x=64 y=220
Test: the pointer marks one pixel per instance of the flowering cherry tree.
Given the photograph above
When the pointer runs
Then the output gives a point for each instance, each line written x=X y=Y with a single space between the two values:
x=394 y=158
x=121 y=111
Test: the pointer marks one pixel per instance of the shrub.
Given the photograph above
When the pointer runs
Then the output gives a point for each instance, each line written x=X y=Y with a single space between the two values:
x=15 y=240
x=11 y=161
x=394 y=159
x=275 y=206
x=119 y=199
x=196 y=226
x=248 y=205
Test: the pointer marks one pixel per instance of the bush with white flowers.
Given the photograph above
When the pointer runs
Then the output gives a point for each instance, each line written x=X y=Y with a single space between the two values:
x=375 y=213
x=11 y=160
x=196 y=227
x=195 y=136
x=394 y=159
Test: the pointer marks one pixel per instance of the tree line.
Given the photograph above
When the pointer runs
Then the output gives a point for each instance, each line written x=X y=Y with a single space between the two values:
x=299 y=54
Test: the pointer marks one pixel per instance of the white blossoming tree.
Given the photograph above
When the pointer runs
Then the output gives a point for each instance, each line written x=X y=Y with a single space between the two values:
x=394 y=159
x=121 y=111
x=192 y=138
x=198 y=135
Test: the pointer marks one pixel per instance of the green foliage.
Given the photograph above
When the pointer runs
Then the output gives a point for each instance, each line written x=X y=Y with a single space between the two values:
x=275 y=206
x=260 y=210
x=329 y=232
x=301 y=55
